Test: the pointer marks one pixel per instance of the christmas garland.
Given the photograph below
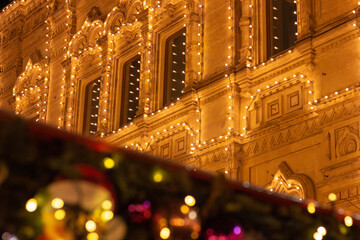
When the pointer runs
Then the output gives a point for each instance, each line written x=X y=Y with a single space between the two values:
x=147 y=198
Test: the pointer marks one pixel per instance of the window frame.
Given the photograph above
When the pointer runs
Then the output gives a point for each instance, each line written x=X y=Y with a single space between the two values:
x=87 y=107
x=261 y=22
x=160 y=49
x=167 y=59
x=117 y=83
x=124 y=91
x=269 y=33
x=84 y=78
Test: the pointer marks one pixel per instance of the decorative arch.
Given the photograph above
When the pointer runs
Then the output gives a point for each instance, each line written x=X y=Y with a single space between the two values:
x=87 y=36
x=114 y=20
x=90 y=32
x=95 y=32
x=287 y=182
x=133 y=10
x=28 y=87
x=78 y=43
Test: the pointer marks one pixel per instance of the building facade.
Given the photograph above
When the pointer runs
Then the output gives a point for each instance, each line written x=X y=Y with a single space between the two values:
x=264 y=91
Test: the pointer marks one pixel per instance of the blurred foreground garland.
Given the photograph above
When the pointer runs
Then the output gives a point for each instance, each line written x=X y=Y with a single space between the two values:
x=152 y=199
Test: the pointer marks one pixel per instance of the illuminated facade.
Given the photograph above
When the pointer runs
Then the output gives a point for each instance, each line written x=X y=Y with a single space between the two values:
x=265 y=91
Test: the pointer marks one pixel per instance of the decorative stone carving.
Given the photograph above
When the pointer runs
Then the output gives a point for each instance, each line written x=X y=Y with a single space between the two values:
x=347 y=140
x=94 y=14
x=218 y=155
x=297 y=185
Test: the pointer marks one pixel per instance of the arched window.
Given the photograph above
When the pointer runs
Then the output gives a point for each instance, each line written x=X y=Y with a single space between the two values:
x=130 y=91
x=174 y=80
x=91 y=110
x=282 y=25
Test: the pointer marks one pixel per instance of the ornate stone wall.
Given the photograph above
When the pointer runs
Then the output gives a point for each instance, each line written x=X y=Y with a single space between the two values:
x=289 y=122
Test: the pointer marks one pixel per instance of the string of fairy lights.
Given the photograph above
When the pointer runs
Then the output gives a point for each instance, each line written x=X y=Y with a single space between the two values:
x=96 y=218
x=63 y=111
x=250 y=52
x=147 y=48
x=229 y=76
x=198 y=144
x=48 y=33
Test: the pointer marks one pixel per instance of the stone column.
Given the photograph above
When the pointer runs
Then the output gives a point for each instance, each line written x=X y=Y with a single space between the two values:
x=107 y=50
x=146 y=81
x=245 y=30
x=69 y=103
x=235 y=167
x=193 y=44
x=305 y=18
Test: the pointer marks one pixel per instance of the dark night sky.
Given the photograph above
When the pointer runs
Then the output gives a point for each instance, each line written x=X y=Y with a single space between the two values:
x=3 y=3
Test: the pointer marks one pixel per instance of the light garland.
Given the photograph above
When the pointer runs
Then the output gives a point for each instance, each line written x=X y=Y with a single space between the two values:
x=230 y=57
x=198 y=142
x=48 y=33
x=63 y=118
x=105 y=80
x=250 y=55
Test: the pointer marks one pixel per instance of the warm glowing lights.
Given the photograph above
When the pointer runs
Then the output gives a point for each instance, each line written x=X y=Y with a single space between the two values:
x=106 y=205
x=184 y=209
x=311 y=207
x=93 y=236
x=192 y=215
x=107 y=215
x=190 y=200
x=348 y=221
x=59 y=214
x=332 y=197
x=31 y=205
x=194 y=235
x=158 y=177
x=57 y=203
x=322 y=230
x=165 y=233
x=90 y=226
x=109 y=163
x=317 y=236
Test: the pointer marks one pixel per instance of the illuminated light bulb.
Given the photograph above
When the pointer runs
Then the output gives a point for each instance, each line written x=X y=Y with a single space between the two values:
x=192 y=215
x=59 y=214
x=190 y=200
x=332 y=197
x=109 y=163
x=311 y=208
x=107 y=215
x=317 y=236
x=165 y=233
x=184 y=209
x=322 y=230
x=31 y=205
x=107 y=204
x=348 y=221
x=237 y=230
x=92 y=236
x=158 y=177
x=90 y=226
x=57 y=203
